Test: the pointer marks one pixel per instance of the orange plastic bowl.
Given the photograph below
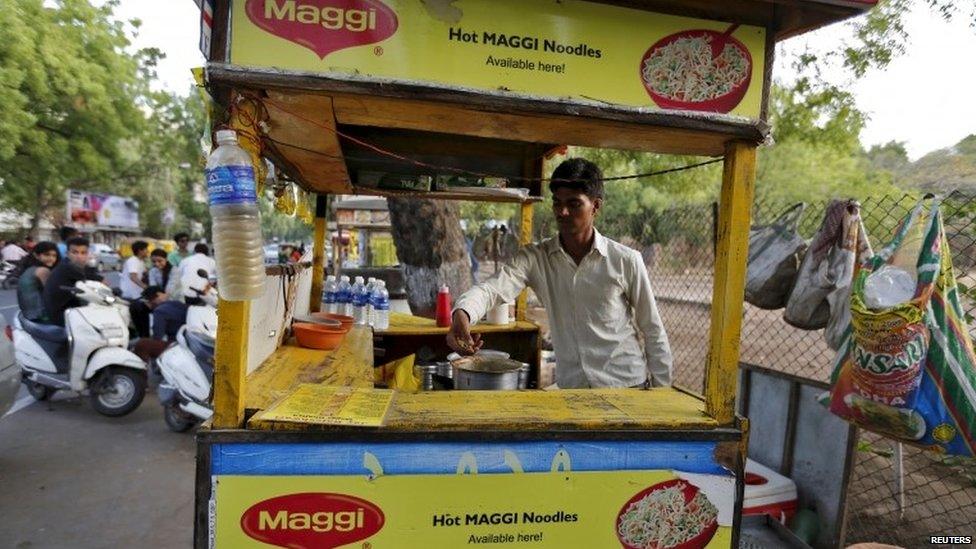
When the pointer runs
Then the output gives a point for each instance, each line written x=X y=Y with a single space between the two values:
x=347 y=321
x=316 y=336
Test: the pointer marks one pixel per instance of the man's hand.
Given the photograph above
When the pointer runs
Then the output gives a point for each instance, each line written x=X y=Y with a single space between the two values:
x=460 y=338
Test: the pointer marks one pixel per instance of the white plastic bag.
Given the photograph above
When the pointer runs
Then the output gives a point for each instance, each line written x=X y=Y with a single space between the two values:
x=827 y=269
x=857 y=248
x=775 y=252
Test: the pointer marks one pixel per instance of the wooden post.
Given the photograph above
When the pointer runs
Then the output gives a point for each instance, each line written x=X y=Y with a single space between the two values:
x=525 y=237
x=735 y=209
x=318 y=252
x=230 y=363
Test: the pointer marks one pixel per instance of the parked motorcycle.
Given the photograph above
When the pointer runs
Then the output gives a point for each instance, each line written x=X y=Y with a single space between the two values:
x=187 y=365
x=89 y=354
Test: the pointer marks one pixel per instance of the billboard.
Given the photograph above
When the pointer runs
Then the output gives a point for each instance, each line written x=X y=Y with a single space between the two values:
x=102 y=211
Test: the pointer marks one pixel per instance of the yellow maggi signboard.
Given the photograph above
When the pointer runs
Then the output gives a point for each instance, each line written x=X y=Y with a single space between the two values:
x=557 y=509
x=566 y=50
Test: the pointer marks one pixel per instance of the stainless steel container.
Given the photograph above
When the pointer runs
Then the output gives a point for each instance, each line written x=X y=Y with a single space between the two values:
x=476 y=373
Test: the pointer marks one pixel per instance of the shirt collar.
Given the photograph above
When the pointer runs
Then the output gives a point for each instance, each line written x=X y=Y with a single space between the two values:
x=599 y=244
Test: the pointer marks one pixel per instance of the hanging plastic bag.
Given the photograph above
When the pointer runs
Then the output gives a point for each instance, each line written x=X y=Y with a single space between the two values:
x=857 y=249
x=826 y=269
x=775 y=252
x=908 y=371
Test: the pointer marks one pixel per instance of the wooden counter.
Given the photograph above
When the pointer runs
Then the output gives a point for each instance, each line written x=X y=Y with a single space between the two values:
x=351 y=365
x=538 y=411
x=290 y=365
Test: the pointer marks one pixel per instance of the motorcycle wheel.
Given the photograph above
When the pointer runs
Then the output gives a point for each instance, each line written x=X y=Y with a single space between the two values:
x=118 y=391
x=38 y=391
x=176 y=419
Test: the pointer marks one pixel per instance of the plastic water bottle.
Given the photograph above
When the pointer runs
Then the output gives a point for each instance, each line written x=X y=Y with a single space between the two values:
x=359 y=299
x=344 y=297
x=381 y=306
x=329 y=294
x=236 y=220
x=370 y=288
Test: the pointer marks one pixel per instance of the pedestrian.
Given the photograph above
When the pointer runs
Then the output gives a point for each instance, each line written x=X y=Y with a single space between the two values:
x=66 y=273
x=164 y=274
x=131 y=283
x=190 y=280
x=168 y=317
x=12 y=253
x=36 y=269
x=605 y=326
x=29 y=243
x=66 y=233
x=181 y=252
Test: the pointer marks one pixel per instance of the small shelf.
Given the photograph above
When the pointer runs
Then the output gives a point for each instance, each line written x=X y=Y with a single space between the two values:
x=364 y=226
x=445 y=195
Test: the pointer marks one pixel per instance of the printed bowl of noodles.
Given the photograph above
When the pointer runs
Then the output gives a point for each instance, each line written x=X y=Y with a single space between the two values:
x=680 y=72
x=673 y=514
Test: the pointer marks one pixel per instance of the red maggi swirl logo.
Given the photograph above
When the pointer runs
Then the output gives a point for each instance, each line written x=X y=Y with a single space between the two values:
x=312 y=519
x=324 y=26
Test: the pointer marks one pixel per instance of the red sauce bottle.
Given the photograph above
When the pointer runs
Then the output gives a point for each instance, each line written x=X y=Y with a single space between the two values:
x=443 y=313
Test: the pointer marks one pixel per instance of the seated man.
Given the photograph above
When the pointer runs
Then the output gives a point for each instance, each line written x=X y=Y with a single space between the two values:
x=190 y=279
x=168 y=317
x=58 y=300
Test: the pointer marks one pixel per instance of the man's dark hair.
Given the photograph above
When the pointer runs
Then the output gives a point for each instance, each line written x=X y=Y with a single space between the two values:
x=181 y=236
x=138 y=246
x=67 y=232
x=77 y=241
x=578 y=174
x=158 y=252
x=201 y=249
x=151 y=292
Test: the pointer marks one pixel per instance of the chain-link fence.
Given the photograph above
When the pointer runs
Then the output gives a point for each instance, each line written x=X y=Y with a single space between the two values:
x=897 y=495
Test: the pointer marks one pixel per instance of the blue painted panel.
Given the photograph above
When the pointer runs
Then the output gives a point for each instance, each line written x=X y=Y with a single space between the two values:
x=400 y=458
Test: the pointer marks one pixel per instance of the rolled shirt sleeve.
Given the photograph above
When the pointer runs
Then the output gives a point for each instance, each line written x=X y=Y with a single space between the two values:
x=503 y=287
x=657 y=349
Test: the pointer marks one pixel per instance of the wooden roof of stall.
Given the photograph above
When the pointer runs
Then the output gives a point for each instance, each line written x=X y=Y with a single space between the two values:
x=323 y=130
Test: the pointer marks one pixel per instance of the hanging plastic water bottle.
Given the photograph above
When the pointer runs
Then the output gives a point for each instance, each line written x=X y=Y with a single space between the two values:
x=344 y=297
x=359 y=299
x=381 y=306
x=370 y=288
x=236 y=220
x=329 y=294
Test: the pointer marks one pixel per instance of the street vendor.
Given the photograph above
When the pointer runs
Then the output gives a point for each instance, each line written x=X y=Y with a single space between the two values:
x=605 y=326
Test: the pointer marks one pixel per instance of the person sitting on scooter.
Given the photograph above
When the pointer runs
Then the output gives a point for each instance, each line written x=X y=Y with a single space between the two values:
x=36 y=269
x=57 y=300
x=168 y=317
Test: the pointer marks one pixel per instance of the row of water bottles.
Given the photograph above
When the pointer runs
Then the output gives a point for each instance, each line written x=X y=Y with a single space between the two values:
x=367 y=302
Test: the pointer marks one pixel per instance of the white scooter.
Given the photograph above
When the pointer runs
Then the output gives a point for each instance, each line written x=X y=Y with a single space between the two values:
x=89 y=354
x=187 y=366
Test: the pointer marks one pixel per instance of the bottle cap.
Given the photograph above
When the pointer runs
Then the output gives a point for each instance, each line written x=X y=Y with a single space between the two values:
x=445 y=289
x=371 y=280
x=330 y=278
x=345 y=278
x=226 y=135
x=359 y=280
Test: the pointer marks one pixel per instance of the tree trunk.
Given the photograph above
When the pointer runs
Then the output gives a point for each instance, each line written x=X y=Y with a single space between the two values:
x=431 y=249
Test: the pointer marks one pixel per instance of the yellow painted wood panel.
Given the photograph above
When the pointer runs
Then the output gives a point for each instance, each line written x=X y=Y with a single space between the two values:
x=318 y=254
x=230 y=363
x=735 y=208
x=525 y=237
x=290 y=365
x=583 y=409
x=404 y=324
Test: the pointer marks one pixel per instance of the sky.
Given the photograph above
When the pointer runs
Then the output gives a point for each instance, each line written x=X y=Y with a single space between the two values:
x=924 y=98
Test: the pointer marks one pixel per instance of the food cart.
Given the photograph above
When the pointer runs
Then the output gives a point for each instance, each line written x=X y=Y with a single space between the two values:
x=303 y=450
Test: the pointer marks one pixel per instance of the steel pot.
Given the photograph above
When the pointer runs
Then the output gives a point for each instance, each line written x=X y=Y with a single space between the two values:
x=477 y=373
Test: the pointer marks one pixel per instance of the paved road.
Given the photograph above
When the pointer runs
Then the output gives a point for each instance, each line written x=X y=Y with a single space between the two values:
x=70 y=477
